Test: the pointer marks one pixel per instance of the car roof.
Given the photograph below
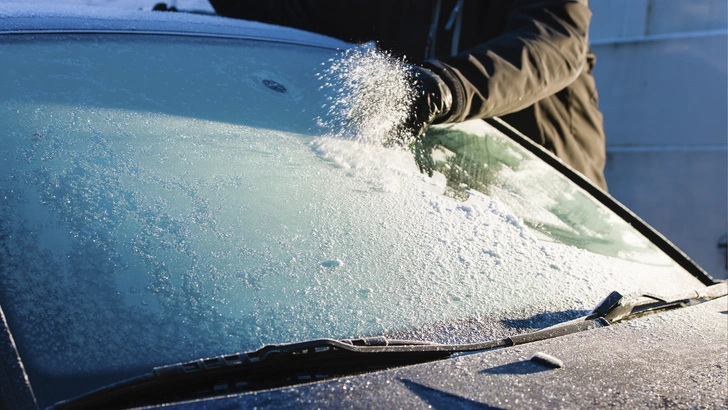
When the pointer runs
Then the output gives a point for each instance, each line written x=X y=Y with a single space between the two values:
x=22 y=18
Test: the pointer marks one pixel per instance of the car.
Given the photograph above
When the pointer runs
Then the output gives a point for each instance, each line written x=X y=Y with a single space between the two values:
x=200 y=212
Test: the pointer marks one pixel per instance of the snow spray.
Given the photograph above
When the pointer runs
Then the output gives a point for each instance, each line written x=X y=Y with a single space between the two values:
x=369 y=97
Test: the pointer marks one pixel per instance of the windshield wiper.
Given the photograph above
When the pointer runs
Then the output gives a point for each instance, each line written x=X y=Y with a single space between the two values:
x=289 y=364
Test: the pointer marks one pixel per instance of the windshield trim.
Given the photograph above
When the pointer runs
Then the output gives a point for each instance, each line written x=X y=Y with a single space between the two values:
x=12 y=372
x=171 y=34
x=36 y=19
x=662 y=243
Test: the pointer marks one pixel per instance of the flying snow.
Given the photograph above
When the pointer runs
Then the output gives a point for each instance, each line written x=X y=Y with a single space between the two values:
x=370 y=97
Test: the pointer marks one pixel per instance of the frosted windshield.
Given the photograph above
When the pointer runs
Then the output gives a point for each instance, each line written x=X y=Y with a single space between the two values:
x=167 y=198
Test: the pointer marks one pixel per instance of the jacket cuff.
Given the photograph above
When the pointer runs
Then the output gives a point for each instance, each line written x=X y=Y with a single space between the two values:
x=457 y=111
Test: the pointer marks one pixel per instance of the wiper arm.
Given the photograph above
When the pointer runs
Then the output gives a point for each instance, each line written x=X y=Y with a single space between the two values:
x=288 y=364
x=617 y=307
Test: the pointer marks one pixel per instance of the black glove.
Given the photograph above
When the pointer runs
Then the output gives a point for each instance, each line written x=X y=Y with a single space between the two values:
x=431 y=104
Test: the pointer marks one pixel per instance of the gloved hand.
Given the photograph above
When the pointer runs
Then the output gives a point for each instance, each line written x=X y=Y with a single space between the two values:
x=431 y=104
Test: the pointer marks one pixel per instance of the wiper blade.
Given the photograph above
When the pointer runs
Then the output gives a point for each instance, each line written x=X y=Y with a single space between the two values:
x=289 y=364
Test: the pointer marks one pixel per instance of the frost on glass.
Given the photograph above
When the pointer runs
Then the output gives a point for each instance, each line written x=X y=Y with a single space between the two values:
x=161 y=202
x=547 y=202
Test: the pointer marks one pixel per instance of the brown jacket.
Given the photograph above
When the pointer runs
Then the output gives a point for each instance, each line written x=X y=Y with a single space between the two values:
x=527 y=61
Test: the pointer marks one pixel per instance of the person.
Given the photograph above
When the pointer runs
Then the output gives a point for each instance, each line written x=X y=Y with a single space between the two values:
x=526 y=61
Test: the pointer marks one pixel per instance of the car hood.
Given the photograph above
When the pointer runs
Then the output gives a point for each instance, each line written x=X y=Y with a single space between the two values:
x=671 y=359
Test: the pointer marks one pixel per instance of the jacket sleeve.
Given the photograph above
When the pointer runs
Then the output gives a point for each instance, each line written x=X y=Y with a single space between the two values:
x=541 y=51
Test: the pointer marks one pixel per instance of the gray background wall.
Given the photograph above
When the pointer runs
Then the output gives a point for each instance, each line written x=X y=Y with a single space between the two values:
x=662 y=80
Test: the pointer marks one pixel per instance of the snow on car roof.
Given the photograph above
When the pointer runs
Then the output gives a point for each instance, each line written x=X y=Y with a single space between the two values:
x=17 y=17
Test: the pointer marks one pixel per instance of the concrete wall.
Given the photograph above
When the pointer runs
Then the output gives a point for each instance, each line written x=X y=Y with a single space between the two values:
x=662 y=78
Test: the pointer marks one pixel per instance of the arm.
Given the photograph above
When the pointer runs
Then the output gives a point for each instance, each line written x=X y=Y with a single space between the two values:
x=541 y=51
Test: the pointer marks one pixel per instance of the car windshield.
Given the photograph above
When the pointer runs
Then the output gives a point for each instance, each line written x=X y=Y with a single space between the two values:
x=167 y=198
